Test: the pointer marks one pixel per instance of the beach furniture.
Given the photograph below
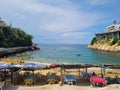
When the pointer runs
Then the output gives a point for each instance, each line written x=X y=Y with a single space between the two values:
x=1 y=85
x=69 y=79
x=30 y=67
x=14 y=70
x=108 y=80
x=30 y=80
x=2 y=75
x=86 y=75
x=26 y=74
x=15 y=79
x=98 y=81
x=117 y=80
x=52 y=79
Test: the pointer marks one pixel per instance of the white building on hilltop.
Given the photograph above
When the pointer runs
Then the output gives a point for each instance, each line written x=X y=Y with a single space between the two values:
x=2 y=23
x=111 y=32
x=114 y=27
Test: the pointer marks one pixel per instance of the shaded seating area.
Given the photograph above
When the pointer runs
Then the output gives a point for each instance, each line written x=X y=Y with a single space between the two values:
x=31 y=78
x=9 y=81
x=13 y=76
x=83 y=73
x=26 y=75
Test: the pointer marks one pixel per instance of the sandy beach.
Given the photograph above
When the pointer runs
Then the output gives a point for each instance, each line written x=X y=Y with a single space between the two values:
x=64 y=87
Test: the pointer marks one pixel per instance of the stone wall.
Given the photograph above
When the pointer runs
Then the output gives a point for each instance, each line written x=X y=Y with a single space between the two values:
x=15 y=50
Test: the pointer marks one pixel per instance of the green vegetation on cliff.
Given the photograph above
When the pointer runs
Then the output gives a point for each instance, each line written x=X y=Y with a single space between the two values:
x=94 y=40
x=114 y=41
x=107 y=41
x=14 y=37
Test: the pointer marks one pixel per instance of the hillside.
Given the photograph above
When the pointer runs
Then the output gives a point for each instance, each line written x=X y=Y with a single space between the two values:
x=14 y=37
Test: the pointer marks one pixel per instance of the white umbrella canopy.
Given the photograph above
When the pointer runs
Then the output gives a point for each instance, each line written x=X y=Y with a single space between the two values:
x=34 y=66
x=42 y=66
x=30 y=65
x=14 y=66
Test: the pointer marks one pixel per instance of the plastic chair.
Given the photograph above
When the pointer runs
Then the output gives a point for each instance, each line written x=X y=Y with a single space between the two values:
x=1 y=85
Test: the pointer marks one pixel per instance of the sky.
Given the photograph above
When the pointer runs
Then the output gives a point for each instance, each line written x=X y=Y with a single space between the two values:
x=61 y=21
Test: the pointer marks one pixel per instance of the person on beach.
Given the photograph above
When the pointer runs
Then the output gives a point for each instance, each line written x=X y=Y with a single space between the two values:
x=93 y=74
x=60 y=85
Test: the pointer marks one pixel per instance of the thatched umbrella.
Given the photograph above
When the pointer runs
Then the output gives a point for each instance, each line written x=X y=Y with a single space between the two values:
x=3 y=65
x=31 y=66
x=13 y=68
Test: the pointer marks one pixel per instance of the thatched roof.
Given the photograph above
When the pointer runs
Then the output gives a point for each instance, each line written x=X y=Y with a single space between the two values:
x=73 y=66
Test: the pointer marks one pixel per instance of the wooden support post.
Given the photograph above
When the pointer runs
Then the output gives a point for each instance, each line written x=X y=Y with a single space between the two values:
x=11 y=75
x=61 y=74
x=33 y=72
x=79 y=72
x=86 y=69
x=104 y=70
x=101 y=72
x=5 y=73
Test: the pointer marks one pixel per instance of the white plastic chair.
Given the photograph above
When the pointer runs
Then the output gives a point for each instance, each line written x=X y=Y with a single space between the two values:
x=1 y=85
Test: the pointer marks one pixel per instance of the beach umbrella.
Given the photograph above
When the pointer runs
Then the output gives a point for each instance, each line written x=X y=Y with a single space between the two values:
x=3 y=65
x=53 y=65
x=30 y=65
x=41 y=66
x=14 y=65
x=13 y=68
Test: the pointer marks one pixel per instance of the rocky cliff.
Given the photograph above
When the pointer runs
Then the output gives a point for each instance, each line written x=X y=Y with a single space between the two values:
x=105 y=47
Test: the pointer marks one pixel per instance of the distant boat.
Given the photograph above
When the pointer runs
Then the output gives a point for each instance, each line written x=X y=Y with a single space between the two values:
x=78 y=54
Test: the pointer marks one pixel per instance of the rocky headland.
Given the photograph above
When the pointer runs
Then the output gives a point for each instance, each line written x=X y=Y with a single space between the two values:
x=104 y=47
x=14 y=40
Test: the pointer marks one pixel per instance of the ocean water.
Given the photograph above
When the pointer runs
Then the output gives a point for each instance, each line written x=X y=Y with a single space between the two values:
x=69 y=54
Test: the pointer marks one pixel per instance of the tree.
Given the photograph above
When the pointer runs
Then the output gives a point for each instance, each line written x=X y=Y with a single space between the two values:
x=94 y=40
x=14 y=37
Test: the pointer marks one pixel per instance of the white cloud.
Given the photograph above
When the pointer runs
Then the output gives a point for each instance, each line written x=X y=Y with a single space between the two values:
x=75 y=35
x=70 y=21
x=56 y=18
x=50 y=19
